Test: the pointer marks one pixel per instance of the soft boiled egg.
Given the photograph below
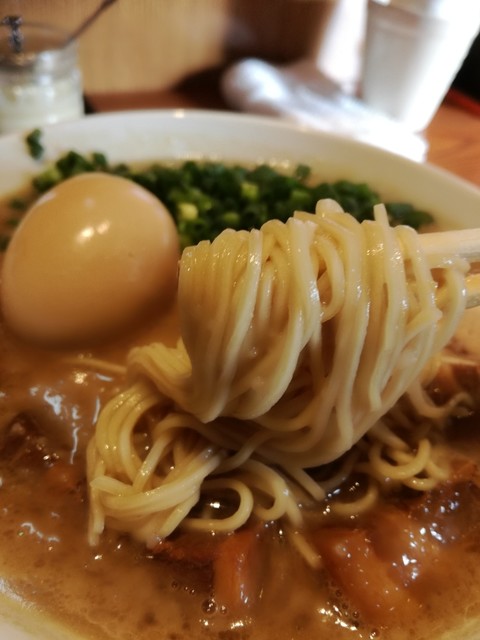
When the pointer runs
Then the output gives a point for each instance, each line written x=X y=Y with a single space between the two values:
x=91 y=257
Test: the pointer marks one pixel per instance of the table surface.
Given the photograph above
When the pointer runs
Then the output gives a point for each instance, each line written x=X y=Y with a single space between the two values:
x=453 y=135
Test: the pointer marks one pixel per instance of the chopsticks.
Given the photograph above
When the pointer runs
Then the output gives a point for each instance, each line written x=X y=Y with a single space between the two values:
x=462 y=243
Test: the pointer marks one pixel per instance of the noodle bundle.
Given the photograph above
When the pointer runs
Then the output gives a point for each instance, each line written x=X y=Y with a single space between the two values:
x=296 y=340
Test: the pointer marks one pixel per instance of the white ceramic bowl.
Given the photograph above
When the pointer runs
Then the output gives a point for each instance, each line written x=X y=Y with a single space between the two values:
x=179 y=134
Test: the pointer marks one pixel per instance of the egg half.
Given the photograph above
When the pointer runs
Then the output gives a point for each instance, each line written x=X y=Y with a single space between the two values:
x=91 y=257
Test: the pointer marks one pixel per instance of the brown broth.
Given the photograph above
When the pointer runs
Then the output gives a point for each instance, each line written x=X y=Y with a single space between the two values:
x=118 y=590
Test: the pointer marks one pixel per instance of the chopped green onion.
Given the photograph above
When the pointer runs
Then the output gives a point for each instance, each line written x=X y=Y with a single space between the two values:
x=34 y=144
x=205 y=198
x=18 y=204
x=187 y=211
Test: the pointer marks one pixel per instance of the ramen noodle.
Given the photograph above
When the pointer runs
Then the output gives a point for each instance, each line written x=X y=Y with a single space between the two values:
x=302 y=343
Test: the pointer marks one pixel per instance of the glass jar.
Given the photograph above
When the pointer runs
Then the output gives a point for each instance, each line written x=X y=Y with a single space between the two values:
x=41 y=83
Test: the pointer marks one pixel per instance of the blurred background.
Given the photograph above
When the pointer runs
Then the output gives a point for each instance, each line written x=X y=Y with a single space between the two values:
x=144 y=45
x=379 y=54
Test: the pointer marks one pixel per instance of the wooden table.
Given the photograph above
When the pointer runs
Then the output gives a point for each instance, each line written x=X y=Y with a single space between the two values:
x=453 y=135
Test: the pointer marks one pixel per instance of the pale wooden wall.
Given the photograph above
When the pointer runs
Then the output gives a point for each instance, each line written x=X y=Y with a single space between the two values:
x=152 y=44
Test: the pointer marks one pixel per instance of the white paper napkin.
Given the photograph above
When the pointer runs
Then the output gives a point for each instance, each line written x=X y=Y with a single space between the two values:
x=301 y=93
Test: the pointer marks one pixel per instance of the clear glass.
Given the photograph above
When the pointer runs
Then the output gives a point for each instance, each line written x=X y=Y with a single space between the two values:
x=413 y=50
x=42 y=84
